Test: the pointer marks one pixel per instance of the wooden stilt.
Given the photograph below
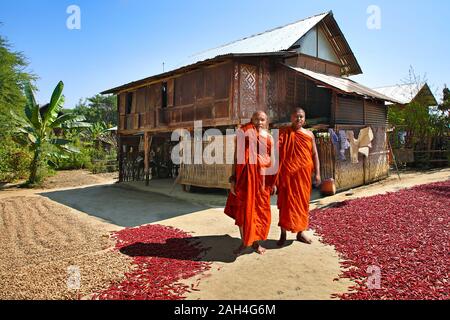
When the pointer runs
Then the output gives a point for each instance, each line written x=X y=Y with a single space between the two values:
x=120 y=158
x=146 y=160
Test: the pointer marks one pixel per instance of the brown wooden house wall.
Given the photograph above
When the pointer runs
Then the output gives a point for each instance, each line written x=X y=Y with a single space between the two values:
x=204 y=94
x=315 y=64
x=295 y=90
x=228 y=93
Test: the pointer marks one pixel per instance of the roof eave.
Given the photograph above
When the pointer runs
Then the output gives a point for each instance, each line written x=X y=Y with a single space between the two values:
x=284 y=54
x=377 y=96
x=353 y=65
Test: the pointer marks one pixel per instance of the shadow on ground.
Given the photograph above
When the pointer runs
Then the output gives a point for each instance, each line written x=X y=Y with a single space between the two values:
x=215 y=248
x=123 y=207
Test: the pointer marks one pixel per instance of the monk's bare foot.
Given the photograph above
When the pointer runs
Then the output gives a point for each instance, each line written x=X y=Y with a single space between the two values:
x=239 y=250
x=303 y=238
x=282 y=240
x=258 y=248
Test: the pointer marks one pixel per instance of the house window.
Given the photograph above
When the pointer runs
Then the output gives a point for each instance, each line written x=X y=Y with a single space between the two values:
x=164 y=95
x=129 y=103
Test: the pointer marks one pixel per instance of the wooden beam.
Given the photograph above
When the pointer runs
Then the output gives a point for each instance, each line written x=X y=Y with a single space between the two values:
x=120 y=157
x=147 y=144
x=334 y=102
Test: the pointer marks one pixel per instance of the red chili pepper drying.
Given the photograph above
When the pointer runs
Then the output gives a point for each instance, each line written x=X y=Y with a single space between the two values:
x=162 y=256
x=405 y=234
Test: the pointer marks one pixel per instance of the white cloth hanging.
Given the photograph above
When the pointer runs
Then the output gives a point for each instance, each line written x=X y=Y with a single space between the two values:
x=360 y=145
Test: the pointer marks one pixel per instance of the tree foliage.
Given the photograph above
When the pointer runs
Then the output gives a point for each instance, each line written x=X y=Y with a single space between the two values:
x=13 y=77
x=36 y=128
x=98 y=109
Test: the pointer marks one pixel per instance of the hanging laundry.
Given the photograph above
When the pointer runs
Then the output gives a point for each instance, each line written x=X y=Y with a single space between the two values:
x=340 y=143
x=402 y=137
x=360 y=145
x=334 y=137
x=344 y=142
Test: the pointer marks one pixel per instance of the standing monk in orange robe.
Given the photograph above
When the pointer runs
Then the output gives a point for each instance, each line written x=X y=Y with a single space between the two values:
x=298 y=161
x=249 y=199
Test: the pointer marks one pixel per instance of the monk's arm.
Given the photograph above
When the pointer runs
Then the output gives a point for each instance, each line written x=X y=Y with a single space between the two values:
x=280 y=161
x=232 y=179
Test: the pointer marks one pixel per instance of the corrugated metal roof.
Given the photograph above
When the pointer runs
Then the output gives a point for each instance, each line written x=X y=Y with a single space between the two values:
x=273 y=42
x=278 y=39
x=343 y=84
x=404 y=93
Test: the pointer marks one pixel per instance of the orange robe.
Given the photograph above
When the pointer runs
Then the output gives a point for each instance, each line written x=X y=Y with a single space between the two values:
x=294 y=179
x=250 y=207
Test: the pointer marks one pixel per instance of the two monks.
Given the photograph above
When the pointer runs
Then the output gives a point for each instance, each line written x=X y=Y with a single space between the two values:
x=249 y=199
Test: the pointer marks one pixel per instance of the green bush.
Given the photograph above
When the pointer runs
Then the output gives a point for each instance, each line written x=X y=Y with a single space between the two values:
x=104 y=161
x=14 y=161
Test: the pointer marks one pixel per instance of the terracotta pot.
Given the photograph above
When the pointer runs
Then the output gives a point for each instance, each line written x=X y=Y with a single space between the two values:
x=328 y=187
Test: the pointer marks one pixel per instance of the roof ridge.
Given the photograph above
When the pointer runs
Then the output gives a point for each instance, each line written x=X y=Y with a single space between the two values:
x=260 y=33
x=395 y=85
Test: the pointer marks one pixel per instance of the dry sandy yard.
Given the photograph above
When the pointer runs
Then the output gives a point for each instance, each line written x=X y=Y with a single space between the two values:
x=78 y=178
x=40 y=239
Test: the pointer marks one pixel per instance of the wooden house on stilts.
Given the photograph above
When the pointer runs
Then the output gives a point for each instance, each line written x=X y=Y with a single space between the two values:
x=306 y=63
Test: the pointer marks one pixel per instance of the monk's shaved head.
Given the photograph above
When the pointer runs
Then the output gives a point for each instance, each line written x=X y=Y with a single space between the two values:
x=259 y=112
x=297 y=110
x=298 y=116
x=260 y=120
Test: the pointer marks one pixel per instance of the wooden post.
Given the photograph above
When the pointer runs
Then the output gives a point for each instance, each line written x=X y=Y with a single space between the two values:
x=146 y=160
x=120 y=157
x=334 y=101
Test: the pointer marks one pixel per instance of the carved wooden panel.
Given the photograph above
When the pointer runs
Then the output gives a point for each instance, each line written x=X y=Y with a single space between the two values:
x=271 y=94
x=235 y=113
x=248 y=84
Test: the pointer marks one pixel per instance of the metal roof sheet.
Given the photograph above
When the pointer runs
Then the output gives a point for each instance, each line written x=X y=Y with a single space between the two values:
x=404 y=93
x=278 y=39
x=344 y=84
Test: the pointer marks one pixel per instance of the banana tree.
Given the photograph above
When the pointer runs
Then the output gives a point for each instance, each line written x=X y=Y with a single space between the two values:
x=38 y=130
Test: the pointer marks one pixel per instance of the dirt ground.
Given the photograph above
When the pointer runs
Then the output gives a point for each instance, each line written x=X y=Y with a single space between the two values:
x=41 y=239
x=77 y=178
x=41 y=235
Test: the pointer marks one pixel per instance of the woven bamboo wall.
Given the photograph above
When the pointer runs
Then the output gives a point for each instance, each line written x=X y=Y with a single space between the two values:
x=326 y=157
x=210 y=175
x=349 y=175
x=375 y=167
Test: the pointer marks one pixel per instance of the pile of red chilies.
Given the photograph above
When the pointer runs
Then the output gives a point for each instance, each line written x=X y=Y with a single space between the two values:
x=404 y=235
x=162 y=256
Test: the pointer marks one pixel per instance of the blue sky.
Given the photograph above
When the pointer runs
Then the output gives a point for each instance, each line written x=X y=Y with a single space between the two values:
x=125 y=40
